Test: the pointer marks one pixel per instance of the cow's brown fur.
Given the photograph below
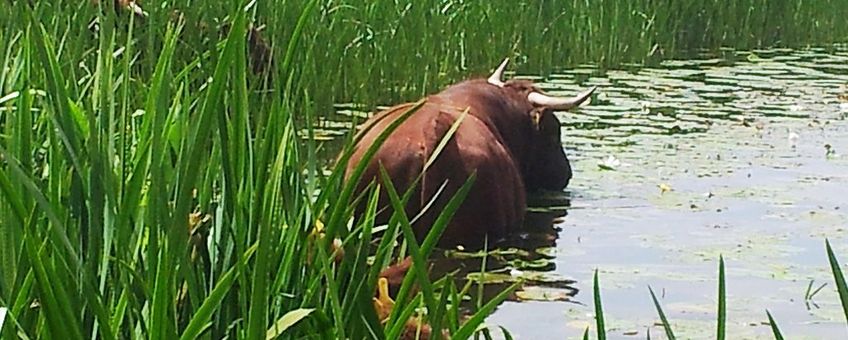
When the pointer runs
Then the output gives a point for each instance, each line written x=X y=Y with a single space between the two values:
x=511 y=145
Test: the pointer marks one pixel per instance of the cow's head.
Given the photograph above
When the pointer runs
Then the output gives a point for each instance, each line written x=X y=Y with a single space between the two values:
x=547 y=166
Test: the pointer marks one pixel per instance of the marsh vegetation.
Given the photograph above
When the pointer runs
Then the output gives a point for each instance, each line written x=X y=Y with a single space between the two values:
x=165 y=176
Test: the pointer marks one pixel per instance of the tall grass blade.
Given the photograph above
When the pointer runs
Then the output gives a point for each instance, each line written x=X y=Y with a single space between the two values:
x=666 y=326
x=67 y=131
x=599 y=309
x=420 y=254
x=162 y=259
x=286 y=321
x=419 y=264
x=477 y=319
x=506 y=334
x=774 y=329
x=403 y=317
x=14 y=199
x=841 y=287
x=45 y=271
x=54 y=297
x=296 y=35
x=722 y=303
x=445 y=140
x=213 y=301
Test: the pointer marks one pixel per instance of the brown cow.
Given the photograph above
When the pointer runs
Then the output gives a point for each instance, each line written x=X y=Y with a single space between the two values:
x=510 y=138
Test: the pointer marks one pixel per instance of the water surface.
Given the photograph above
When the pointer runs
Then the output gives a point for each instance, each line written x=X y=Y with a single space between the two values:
x=738 y=154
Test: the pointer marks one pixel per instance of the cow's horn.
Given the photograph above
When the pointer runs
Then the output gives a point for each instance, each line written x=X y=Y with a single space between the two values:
x=556 y=103
x=495 y=78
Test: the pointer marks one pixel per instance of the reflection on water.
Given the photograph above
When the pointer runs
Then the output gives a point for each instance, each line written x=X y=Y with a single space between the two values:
x=738 y=155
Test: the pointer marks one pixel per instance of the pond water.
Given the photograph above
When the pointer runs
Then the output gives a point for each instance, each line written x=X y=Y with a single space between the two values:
x=738 y=154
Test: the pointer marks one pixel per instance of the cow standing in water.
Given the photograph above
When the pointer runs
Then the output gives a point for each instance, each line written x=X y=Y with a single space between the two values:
x=510 y=138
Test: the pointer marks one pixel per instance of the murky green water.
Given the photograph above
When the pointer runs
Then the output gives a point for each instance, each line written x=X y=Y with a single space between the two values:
x=738 y=154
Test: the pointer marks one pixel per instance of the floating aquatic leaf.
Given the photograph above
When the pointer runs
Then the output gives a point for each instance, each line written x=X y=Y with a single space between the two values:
x=547 y=252
x=491 y=278
x=547 y=279
x=533 y=293
x=753 y=57
x=610 y=163
x=793 y=139
x=539 y=264
x=511 y=252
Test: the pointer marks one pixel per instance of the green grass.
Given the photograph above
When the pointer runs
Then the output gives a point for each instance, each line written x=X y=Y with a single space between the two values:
x=407 y=49
x=162 y=195
x=599 y=309
x=839 y=278
x=152 y=186
x=381 y=52
x=774 y=328
x=721 y=314
x=669 y=333
x=414 y=48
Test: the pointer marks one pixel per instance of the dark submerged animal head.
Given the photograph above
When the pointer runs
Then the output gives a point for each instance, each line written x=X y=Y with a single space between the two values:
x=523 y=117
x=549 y=167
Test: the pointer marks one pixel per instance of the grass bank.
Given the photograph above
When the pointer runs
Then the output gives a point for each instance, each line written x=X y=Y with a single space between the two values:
x=379 y=52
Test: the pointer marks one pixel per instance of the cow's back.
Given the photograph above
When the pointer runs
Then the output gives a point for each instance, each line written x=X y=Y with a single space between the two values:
x=495 y=204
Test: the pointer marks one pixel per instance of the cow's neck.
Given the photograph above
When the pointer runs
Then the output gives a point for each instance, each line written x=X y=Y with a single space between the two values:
x=506 y=117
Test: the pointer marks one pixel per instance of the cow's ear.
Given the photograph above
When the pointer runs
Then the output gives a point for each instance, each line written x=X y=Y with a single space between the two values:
x=536 y=118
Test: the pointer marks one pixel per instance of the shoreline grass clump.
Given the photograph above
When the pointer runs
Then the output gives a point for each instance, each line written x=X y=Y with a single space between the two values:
x=387 y=52
x=377 y=53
